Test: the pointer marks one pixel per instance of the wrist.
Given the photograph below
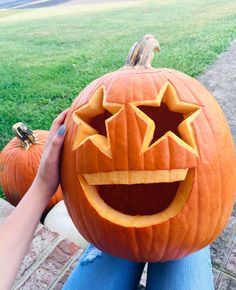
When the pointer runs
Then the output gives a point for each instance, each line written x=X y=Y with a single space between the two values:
x=42 y=187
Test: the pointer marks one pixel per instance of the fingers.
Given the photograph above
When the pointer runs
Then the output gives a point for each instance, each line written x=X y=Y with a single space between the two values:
x=56 y=125
x=57 y=142
x=60 y=118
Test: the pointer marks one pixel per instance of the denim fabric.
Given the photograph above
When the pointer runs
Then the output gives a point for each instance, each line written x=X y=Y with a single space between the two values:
x=100 y=271
x=193 y=272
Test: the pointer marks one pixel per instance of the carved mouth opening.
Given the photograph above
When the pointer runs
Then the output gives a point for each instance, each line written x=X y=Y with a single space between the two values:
x=138 y=199
x=129 y=200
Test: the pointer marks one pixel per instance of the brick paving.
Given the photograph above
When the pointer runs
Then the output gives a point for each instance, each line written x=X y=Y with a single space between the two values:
x=51 y=259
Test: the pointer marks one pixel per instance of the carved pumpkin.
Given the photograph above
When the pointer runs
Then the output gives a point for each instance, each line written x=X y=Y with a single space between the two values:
x=148 y=166
x=19 y=162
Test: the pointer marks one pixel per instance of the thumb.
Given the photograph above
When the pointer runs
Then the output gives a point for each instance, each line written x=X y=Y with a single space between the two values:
x=61 y=131
x=59 y=138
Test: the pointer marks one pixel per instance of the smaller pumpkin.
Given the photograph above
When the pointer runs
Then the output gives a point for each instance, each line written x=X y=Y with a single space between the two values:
x=58 y=220
x=19 y=162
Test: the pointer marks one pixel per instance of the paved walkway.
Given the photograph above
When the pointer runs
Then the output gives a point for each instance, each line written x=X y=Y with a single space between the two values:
x=29 y=4
x=51 y=259
x=220 y=79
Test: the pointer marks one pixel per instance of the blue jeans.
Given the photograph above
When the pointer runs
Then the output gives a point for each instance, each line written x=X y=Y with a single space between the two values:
x=100 y=271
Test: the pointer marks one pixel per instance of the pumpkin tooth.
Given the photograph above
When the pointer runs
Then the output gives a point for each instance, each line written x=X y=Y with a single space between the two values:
x=135 y=176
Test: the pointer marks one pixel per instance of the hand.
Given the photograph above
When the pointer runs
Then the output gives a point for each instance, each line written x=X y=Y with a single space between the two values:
x=48 y=174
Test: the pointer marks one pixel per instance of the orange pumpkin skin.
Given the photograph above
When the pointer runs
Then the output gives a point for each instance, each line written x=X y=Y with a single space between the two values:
x=18 y=168
x=212 y=164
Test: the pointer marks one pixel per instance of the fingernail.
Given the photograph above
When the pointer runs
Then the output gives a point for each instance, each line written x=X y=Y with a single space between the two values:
x=61 y=130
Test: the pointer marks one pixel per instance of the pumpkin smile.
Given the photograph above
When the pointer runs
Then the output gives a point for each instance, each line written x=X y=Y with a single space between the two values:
x=152 y=197
x=139 y=199
x=143 y=192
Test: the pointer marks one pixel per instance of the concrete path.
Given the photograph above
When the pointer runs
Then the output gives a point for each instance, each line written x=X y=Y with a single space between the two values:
x=29 y=4
x=220 y=79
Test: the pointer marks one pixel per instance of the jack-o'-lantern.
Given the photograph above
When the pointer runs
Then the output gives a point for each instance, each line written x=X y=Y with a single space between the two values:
x=148 y=165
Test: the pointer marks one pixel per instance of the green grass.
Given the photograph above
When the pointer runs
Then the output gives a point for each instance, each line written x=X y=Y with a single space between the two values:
x=48 y=56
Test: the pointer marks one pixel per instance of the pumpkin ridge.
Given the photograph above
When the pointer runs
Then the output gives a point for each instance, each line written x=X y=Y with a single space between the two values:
x=206 y=188
x=219 y=165
x=220 y=173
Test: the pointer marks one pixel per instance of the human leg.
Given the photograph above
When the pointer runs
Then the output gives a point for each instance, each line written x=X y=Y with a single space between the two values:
x=193 y=272
x=101 y=271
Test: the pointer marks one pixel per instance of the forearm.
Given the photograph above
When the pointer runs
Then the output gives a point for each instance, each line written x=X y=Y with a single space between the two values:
x=17 y=231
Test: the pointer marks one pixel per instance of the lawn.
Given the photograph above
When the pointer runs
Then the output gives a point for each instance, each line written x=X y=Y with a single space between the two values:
x=47 y=56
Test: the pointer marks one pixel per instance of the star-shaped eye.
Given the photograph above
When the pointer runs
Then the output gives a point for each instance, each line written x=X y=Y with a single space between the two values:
x=99 y=122
x=164 y=120
x=164 y=115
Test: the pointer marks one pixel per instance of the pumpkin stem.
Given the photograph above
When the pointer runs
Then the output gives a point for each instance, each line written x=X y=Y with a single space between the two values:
x=142 y=52
x=25 y=135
